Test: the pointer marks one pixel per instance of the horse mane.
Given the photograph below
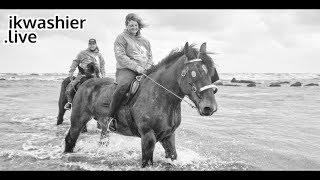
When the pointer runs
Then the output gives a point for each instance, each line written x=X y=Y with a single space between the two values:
x=93 y=68
x=176 y=53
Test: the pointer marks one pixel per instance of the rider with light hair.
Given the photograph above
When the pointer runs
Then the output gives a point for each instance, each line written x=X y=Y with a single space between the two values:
x=134 y=56
x=91 y=54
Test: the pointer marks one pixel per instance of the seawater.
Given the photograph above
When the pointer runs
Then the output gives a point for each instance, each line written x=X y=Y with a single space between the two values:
x=255 y=128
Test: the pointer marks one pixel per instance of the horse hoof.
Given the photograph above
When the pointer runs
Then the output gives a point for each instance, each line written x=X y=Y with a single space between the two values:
x=145 y=164
x=84 y=130
x=104 y=143
x=173 y=157
x=59 y=120
x=68 y=150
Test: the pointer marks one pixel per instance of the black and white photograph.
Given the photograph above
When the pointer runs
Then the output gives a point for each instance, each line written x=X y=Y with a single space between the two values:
x=159 y=90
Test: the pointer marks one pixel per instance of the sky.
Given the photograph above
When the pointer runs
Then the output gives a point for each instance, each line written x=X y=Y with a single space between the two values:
x=243 y=40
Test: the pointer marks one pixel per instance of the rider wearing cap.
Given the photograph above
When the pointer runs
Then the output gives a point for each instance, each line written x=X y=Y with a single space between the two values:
x=91 y=54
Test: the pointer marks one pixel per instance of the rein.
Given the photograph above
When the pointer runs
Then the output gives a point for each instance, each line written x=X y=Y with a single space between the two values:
x=169 y=91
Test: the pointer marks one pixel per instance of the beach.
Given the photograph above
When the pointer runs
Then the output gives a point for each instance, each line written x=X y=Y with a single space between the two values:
x=255 y=128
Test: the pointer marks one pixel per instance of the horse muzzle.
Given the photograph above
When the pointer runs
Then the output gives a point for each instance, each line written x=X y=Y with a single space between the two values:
x=207 y=109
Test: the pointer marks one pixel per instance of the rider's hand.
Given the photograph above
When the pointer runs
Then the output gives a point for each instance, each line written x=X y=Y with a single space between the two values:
x=139 y=69
x=140 y=58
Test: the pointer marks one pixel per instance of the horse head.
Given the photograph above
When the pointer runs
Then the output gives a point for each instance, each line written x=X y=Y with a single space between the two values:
x=90 y=70
x=196 y=79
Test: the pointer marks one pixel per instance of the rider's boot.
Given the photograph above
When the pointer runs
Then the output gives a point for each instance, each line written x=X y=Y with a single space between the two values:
x=68 y=106
x=117 y=98
x=69 y=91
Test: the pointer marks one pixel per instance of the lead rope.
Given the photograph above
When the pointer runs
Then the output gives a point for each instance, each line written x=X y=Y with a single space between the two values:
x=192 y=106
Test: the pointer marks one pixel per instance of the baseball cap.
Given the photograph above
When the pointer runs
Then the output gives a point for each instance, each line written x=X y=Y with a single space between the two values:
x=92 y=41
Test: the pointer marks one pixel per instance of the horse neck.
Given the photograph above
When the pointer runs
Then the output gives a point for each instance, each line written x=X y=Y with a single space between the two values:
x=168 y=77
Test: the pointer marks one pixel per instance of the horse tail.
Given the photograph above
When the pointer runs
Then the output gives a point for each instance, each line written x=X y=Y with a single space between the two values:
x=62 y=100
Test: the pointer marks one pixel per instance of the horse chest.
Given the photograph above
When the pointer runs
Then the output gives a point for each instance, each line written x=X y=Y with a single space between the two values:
x=164 y=123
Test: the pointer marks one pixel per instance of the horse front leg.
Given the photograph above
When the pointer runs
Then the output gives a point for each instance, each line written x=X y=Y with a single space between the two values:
x=168 y=143
x=148 y=142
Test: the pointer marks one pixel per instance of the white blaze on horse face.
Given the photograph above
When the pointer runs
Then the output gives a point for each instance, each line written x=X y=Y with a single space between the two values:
x=204 y=67
x=193 y=74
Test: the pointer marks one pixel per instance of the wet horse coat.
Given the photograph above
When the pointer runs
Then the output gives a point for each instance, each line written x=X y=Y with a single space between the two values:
x=153 y=114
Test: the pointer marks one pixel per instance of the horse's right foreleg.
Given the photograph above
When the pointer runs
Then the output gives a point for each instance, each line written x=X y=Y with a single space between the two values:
x=78 y=122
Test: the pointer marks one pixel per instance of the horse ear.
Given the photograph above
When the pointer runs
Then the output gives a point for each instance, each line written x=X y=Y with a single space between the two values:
x=186 y=48
x=81 y=70
x=203 y=48
x=215 y=76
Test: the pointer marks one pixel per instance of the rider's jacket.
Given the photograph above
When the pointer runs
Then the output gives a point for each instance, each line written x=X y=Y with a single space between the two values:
x=131 y=51
x=87 y=56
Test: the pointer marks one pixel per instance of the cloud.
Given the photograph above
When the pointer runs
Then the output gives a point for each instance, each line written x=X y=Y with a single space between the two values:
x=253 y=40
x=307 y=17
x=189 y=20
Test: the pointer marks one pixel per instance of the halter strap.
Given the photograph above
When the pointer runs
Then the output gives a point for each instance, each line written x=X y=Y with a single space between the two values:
x=201 y=89
x=208 y=87
x=194 y=60
x=214 y=87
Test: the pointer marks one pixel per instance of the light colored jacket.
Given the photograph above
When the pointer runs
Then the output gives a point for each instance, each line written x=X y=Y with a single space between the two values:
x=132 y=51
x=87 y=56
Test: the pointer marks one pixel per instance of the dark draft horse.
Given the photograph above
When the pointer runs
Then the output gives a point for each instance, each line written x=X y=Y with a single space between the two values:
x=153 y=113
x=90 y=72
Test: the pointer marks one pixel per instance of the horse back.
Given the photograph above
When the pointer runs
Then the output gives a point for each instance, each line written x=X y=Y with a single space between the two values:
x=93 y=93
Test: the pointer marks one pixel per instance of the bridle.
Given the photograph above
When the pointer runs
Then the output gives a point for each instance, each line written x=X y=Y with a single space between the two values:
x=193 y=86
x=183 y=74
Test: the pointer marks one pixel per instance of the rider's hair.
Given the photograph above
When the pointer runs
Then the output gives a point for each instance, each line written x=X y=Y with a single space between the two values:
x=134 y=17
